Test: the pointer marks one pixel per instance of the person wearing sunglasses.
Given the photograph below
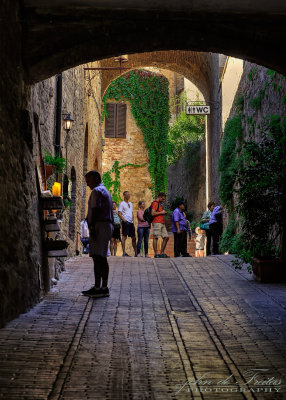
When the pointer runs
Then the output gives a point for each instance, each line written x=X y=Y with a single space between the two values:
x=125 y=212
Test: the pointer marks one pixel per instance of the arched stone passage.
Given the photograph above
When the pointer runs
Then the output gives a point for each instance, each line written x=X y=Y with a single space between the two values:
x=61 y=34
x=195 y=66
x=203 y=70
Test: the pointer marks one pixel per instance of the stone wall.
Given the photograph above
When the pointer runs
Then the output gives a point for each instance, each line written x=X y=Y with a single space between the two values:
x=189 y=183
x=81 y=146
x=20 y=240
x=252 y=82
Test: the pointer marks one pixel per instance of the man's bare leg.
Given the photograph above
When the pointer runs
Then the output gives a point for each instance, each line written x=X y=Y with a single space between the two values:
x=134 y=245
x=111 y=246
x=123 y=244
x=155 y=245
x=164 y=243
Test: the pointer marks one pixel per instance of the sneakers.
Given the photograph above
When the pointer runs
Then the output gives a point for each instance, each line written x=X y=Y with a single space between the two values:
x=147 y=256
x=161 y=256
x=126 y=255
x=96 y=292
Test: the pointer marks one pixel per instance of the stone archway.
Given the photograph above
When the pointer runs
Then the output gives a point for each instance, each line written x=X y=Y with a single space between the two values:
x=61 y=34
x=202 y=69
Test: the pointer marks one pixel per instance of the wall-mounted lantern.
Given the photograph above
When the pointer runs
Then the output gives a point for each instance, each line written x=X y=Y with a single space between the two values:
x=68 y=121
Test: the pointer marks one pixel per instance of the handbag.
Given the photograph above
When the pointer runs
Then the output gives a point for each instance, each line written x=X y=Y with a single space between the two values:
x=204 y=226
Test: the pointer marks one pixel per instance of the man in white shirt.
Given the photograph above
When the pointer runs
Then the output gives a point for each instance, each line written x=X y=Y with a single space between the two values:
x=125 y=212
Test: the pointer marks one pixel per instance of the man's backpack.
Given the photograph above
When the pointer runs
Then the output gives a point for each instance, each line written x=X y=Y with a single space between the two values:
x=147 y=216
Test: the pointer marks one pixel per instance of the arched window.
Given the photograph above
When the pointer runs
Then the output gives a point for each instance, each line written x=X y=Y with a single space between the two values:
x=73 y=205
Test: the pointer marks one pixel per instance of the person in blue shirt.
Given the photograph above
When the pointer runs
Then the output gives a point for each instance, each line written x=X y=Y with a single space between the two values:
x=180 y=231
x=215 y=225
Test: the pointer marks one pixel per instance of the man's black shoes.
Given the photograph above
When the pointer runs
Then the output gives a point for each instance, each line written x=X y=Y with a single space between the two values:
x=96 y=292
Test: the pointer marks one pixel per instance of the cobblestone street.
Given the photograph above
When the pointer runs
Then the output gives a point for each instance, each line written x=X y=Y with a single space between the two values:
x=166 y=324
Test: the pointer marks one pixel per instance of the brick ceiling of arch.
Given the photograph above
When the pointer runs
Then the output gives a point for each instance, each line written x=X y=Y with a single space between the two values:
x=60 y=34
x=194 y=66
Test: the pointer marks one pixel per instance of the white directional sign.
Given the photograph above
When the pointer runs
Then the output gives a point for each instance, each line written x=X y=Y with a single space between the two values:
x=197 y=110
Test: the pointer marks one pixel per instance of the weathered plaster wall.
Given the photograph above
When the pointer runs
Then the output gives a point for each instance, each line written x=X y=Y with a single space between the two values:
x=229 y=85
x=213 y=133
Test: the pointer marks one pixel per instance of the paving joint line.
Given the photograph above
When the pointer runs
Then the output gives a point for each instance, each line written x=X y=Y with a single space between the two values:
x=60 y=380
x=212 y=332
x=258 y=288
x=189 y=372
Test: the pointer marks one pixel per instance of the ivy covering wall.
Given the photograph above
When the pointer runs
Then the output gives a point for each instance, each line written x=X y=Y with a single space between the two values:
x=148 y=94
x=252 y=168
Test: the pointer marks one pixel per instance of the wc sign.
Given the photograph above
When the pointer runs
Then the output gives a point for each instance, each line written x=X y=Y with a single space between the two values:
x=197 y=110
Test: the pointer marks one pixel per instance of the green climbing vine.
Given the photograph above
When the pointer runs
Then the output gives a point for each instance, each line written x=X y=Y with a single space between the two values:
x=113 y=183
x=252 y=173
x=148 y=94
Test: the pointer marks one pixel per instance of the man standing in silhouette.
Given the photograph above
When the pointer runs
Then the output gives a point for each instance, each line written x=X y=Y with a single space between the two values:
x=100 y=224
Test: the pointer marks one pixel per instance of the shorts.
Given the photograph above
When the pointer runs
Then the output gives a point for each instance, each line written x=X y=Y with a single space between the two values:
x=99 y=239
x=116 y=232
x=128 y=229
x=159 y=230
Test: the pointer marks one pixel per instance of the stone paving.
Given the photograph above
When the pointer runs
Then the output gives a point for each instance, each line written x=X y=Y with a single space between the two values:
x=183 y=328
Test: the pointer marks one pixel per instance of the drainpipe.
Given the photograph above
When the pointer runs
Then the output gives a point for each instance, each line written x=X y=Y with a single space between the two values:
x=57 y=143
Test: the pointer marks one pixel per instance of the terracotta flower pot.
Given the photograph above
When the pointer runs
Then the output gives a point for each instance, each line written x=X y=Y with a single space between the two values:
x=49 y=170
x=269 y=271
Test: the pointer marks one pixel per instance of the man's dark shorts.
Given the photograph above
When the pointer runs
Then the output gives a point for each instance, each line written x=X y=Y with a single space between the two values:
x=116 y=232
x=128 y=229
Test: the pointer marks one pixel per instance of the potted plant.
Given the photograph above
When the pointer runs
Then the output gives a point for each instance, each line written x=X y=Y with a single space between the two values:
x=259 y=204
x=53 y=164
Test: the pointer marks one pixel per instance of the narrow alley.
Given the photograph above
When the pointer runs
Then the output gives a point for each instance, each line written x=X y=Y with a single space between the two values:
x=171 y=329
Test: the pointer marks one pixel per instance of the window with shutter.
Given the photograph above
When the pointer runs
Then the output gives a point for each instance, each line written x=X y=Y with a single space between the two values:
x=110 y=120
x=121 y=121
x=115 y=124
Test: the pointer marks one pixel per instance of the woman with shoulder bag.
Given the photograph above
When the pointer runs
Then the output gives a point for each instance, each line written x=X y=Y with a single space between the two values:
x=204 y=225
